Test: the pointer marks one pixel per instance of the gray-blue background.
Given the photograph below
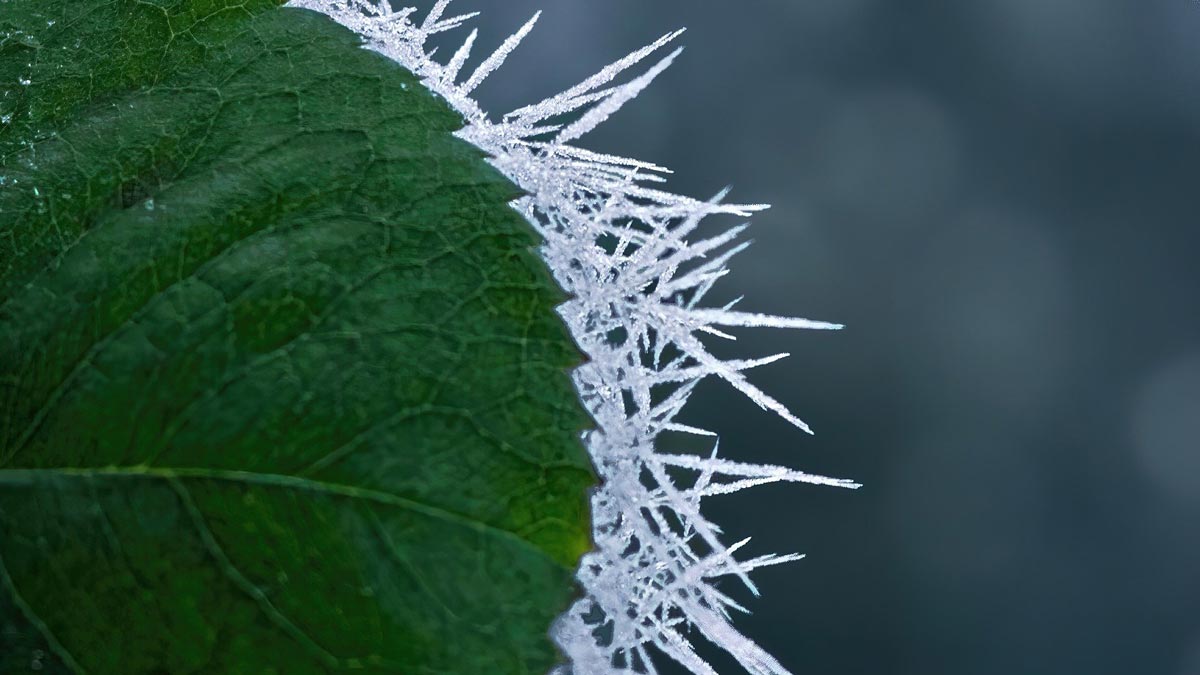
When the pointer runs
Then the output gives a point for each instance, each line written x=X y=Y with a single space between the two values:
x=999 y=198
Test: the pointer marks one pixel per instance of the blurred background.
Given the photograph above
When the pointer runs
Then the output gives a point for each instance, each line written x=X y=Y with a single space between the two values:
x=999 y=199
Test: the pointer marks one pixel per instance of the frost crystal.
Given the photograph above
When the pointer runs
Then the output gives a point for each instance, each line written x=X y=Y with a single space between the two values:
x=620 y=247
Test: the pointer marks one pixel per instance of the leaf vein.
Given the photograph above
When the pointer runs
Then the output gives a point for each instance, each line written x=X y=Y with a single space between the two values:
x=19 y=476
x=245 y=585
x=6 y=581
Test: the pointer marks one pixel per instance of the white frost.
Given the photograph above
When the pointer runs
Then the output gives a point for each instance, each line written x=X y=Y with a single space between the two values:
x=620 y=247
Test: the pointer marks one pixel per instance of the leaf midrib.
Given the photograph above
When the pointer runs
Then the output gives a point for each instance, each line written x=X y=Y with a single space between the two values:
x=167 y=474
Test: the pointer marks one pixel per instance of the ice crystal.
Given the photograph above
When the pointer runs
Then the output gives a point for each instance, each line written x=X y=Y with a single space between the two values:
x=620 y=246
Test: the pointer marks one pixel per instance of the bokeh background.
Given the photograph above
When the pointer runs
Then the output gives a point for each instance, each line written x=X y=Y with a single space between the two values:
x=999 y=198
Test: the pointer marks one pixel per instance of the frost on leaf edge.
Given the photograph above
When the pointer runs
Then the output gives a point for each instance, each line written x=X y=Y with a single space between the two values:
x=617 y=243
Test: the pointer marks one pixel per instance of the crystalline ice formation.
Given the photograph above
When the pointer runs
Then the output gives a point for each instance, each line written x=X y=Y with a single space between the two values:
x=620 y=247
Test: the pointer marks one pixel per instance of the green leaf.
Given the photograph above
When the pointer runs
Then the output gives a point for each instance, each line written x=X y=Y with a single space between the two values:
x=282 y=389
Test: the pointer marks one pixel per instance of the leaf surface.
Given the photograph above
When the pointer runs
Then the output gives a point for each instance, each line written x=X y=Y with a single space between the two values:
x=282 y=389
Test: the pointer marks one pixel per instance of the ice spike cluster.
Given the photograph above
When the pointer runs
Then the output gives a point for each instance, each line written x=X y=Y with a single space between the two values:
x=620 y=246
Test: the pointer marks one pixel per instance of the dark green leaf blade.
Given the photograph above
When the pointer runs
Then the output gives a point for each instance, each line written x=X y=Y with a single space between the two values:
x=281 y=385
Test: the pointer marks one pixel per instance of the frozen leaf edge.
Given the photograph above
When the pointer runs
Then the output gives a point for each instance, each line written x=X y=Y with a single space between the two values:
x=618 y=245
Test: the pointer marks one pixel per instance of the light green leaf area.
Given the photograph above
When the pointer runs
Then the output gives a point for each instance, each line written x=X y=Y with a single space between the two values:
x=282 y=389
